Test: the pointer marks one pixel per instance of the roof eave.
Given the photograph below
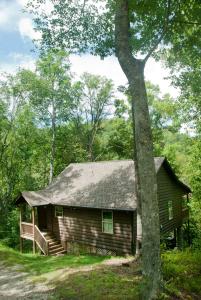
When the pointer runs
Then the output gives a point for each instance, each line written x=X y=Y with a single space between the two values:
x=187 y=188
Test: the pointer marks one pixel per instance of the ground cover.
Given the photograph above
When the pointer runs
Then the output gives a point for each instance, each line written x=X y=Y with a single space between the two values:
x=89 y=277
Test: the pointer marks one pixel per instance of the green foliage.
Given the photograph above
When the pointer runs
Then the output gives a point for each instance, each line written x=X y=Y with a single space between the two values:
x=117 y=139
x=181 y=273
x=10 y=234
x=97 y=96
x=195 y=180
x=90 y=26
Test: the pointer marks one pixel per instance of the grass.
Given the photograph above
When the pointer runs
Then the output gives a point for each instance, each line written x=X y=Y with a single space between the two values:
x=38 y=264
x=111 y=283
x=181 y=274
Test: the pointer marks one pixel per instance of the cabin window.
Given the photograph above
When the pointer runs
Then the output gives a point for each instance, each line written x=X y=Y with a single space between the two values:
x=107 y=222
x=59 y=211
x=170 y=210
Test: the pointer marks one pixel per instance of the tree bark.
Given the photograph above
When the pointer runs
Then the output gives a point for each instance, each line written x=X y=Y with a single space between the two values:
x=144 y=166
x=53 y=146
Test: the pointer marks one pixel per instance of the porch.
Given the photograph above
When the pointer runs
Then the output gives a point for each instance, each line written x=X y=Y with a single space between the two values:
x=41 y=238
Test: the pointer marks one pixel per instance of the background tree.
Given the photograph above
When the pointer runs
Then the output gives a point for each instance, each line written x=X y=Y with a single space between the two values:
x=95 y=106
x=50 y=94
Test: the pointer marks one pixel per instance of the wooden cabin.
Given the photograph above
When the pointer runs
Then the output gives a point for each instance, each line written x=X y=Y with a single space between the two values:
x=91 y=207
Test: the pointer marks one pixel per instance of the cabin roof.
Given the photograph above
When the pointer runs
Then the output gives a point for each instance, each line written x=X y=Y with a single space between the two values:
x=103 y=185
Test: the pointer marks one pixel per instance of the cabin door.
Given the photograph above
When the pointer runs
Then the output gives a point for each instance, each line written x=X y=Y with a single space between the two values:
x=42 y=217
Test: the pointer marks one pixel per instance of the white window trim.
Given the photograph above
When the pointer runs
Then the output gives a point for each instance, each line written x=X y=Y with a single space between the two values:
x=105 y=222
x=55 y=211
x=170 y=217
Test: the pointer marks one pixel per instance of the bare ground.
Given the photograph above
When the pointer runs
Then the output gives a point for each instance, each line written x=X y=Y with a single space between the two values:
x=18 y=285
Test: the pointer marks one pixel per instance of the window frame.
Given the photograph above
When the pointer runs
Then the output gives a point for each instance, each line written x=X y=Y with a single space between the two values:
x=55 y=211
x=107 y=222
x=170 y=210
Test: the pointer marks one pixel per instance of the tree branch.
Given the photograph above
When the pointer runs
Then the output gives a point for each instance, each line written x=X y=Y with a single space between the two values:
x=83 y=8
x=122 y=39
x=164 y=30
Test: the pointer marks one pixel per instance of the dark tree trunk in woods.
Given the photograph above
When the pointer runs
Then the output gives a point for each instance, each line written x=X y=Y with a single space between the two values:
x=145 y=169
x=52 y=155
x=90 y=146
x=92 y=136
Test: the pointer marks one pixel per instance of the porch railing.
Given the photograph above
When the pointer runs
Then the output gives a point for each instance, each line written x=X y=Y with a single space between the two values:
x=41 y=241
x=28 y=231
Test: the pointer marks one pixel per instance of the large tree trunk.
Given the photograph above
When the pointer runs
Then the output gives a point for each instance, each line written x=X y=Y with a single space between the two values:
x=145 y=169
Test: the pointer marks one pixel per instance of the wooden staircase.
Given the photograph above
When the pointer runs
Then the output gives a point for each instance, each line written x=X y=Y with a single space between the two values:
x=44 y=239
x=54 y=246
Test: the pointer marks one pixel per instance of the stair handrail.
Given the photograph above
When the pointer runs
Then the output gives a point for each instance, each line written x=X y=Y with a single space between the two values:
x=41 y=244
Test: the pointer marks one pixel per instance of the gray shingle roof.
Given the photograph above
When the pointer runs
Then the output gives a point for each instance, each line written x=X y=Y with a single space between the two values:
x=105 y=184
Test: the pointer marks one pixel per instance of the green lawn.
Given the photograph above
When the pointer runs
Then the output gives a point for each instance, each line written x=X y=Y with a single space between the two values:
x=108 y=283
x=38 y=264
x=181 y=274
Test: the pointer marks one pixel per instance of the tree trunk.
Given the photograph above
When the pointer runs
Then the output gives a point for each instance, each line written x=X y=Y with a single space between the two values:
x=92 y=136
x=144 y=166
x=53 y=146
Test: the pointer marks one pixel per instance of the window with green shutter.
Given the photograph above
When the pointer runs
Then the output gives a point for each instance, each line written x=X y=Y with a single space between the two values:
x=107 y=222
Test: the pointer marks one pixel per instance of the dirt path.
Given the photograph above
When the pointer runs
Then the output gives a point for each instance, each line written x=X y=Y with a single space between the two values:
x=18 y=285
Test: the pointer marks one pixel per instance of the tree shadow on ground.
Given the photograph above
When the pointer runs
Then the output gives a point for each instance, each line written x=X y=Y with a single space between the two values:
x=38 y=264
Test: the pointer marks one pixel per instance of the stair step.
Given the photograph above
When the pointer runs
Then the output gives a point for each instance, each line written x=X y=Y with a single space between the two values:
x=52 y=240
x=49 y=237
x=55 y=247
x=54 y=243
x=58 y=253
x=56 y=250
x=59 y=246
x=61 y=252
x=52 y=247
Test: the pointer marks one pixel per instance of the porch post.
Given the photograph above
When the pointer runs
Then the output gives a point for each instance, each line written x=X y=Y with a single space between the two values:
x=139 y=234
x=21 y=239
x=33 y=222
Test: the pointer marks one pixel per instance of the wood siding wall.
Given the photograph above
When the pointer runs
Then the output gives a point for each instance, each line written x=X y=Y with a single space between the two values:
x=168 y=189
x=85 y=226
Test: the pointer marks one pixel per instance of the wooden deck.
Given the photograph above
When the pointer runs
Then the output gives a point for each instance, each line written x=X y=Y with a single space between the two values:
x=44 y=240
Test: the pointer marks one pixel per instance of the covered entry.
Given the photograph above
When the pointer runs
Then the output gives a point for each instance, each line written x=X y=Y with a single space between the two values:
x=33 y=226
x=42 y=217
